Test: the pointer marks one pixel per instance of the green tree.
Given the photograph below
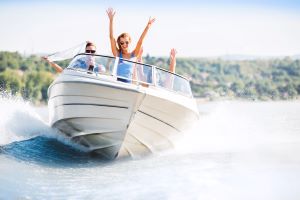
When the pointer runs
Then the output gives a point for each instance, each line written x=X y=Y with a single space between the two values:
x=10 y=81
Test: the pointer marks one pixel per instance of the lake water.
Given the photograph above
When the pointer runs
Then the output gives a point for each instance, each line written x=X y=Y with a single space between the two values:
x=238 y=150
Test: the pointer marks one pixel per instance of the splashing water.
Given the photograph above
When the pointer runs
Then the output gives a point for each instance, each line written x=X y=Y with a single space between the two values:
x=254 y=130
x=19 y=121
x=238 y=150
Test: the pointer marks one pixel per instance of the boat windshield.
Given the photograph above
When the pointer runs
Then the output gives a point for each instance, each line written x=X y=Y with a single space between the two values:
x=131 y=72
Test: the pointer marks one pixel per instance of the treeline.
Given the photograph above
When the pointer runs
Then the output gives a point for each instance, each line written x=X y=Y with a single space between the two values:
x=28 y=77
x=269 y=79
x=274 y=79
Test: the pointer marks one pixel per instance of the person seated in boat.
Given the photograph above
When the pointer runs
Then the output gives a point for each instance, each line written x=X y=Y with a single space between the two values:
x=168 y=83
x=147 y=76
x=86 y=63
x=172 y=66
x=120 y=48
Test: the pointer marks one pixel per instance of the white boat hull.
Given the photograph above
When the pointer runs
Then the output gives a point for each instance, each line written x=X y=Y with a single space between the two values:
x=113 y=118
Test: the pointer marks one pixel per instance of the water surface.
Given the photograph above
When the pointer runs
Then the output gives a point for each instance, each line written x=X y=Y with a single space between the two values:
x=238 y=150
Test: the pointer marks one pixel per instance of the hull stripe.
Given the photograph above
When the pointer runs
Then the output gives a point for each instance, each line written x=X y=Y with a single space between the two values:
x=159 y=120
x=91 y=104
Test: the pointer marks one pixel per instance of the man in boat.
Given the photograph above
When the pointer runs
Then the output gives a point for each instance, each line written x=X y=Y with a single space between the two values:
x=86 y=63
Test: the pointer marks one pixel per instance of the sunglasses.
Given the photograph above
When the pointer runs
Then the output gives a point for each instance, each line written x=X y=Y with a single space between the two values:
x=122 y=43
x=90 y=51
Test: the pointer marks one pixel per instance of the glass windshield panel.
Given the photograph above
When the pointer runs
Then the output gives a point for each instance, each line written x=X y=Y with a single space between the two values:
x=93 y=64
x=172 y=82
x=143 y=73
x=131 y=72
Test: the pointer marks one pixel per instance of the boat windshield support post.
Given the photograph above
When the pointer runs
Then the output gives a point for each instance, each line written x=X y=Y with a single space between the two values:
x=154 y=75
x=114 y=72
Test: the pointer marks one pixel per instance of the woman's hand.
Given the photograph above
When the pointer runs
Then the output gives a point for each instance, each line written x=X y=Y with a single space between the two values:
x=46 y=59
x=151 y=21
x=173 y=54
x=110 y=13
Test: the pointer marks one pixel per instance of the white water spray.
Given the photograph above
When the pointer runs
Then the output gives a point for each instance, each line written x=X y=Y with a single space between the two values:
x=238 y=127
x=19 y=121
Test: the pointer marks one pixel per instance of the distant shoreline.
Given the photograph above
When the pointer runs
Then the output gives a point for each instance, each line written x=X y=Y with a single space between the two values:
x=207 y=100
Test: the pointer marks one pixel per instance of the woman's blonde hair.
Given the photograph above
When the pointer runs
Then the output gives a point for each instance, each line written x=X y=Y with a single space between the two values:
x=123 y=35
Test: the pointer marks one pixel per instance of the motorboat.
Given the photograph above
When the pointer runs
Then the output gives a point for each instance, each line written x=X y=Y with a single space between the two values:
x=95 y=108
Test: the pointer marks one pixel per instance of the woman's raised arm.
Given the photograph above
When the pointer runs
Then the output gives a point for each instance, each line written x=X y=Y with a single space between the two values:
x=53 y=64
x=111 y=13
x=173 y=60
x=140 y=41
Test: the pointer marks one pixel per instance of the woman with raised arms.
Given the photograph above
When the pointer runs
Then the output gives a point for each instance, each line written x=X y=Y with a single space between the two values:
x=120 y=48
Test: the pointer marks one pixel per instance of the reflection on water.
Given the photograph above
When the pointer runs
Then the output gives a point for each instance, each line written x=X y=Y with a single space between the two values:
x=238 y=150
x=50 y=152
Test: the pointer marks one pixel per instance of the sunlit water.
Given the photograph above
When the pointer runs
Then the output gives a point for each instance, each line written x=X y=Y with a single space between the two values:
x=238 y=150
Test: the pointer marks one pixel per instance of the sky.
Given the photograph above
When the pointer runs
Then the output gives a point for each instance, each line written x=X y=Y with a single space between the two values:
x=195 y=28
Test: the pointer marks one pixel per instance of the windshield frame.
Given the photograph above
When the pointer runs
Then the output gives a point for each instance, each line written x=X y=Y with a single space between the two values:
x=154 y=69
